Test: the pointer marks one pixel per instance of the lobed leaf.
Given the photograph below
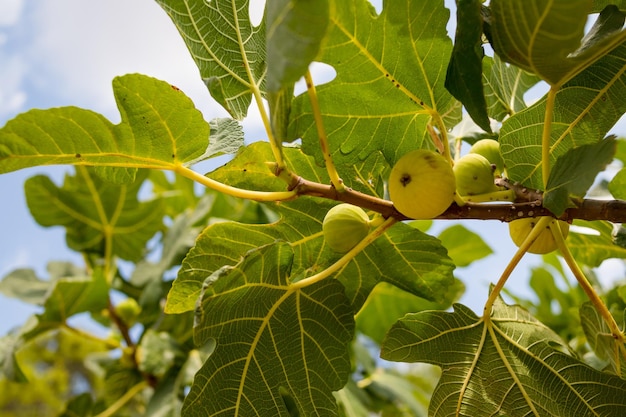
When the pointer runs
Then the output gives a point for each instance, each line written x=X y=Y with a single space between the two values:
x=98 y=216
x=228 y=50
x=538 y=36
x=508 y=365
x=585 y=109
x=160 y=129
x=279 y=350
x=389 y=84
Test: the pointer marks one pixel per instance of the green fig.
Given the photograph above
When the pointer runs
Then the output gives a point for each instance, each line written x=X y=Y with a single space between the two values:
x=490 y=149
x=344 y=226
x=474 y=175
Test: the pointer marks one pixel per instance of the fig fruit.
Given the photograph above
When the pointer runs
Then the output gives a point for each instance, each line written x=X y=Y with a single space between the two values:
x=128 y=310
x=474 y=175
x=422 y=184
x=545 y=243
x=344 y=226
x=490 y=149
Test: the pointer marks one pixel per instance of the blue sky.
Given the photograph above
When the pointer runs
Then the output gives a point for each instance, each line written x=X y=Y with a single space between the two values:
x=66 y=52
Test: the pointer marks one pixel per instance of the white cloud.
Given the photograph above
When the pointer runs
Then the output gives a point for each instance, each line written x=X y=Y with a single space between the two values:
x=73 y=49
x=10 y=11
x=12 y=96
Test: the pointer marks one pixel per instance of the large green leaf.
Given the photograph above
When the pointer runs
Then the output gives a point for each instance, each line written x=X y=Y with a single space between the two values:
x=160 y=129
x=510 y=365
x=404 y=256
x=585 y=109
x=99 y=216
x=228 y=50
x=393 y=65
x=279 y=350
x=537 y=35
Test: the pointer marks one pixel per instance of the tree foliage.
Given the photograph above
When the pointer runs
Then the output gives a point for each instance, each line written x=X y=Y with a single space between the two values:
x=235 y=305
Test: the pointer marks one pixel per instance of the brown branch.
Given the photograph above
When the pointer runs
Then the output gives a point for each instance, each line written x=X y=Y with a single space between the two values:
x=587 y=209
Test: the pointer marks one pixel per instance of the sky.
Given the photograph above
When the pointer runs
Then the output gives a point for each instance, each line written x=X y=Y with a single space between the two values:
x=66 y=52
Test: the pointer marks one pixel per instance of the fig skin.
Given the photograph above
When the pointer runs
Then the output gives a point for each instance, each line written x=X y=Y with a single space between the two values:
x=545 y=243
x=490 y=149
x=344 y=226
x=474 y=175
x=422 y=184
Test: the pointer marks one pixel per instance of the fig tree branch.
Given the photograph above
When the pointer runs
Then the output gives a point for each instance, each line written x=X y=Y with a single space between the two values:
x=585 y=209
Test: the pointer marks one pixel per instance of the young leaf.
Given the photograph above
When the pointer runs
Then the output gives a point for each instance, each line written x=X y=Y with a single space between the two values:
x=574 y=173
x=393 y=66
x=98 y=216
x=276 y=346
x=584 y=111
x=505 y=86
x=228 y=50
x=68 y=297
x=509 y=365
x=160 y=129
x=294 y=37
x=464 y=246
x=617 y=186
x=465 y=69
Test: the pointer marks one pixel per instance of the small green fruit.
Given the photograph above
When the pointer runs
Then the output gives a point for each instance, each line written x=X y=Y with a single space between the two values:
x=344 y=226
x=128 y=310
x=422 y=184
x=474 y=175
x=545 y=243
x=490 y=149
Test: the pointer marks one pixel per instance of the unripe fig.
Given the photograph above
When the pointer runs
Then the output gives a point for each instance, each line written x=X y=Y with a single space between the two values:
x=128 y=310
x=474 y=175
x=490 y=149
x=421 y=184
x=344 y=226
x=545 y=243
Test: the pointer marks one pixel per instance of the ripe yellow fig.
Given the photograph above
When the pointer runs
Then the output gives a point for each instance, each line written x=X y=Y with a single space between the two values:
x=344 y=226
x=422 y=184
x=474 y=175
x=545 y=243
x=490 y=149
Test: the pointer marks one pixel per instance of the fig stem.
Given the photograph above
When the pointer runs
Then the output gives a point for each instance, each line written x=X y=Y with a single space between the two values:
x=517 y=257
x=321 y=134
x=234 y=191
x=345 y=259
x=545 y=136
x=597 y=302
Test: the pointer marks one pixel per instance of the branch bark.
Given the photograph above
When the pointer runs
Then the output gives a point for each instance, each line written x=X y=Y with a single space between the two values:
x=586 y=209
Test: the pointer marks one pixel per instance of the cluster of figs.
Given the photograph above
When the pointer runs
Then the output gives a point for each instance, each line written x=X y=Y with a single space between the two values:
x=423 y=184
